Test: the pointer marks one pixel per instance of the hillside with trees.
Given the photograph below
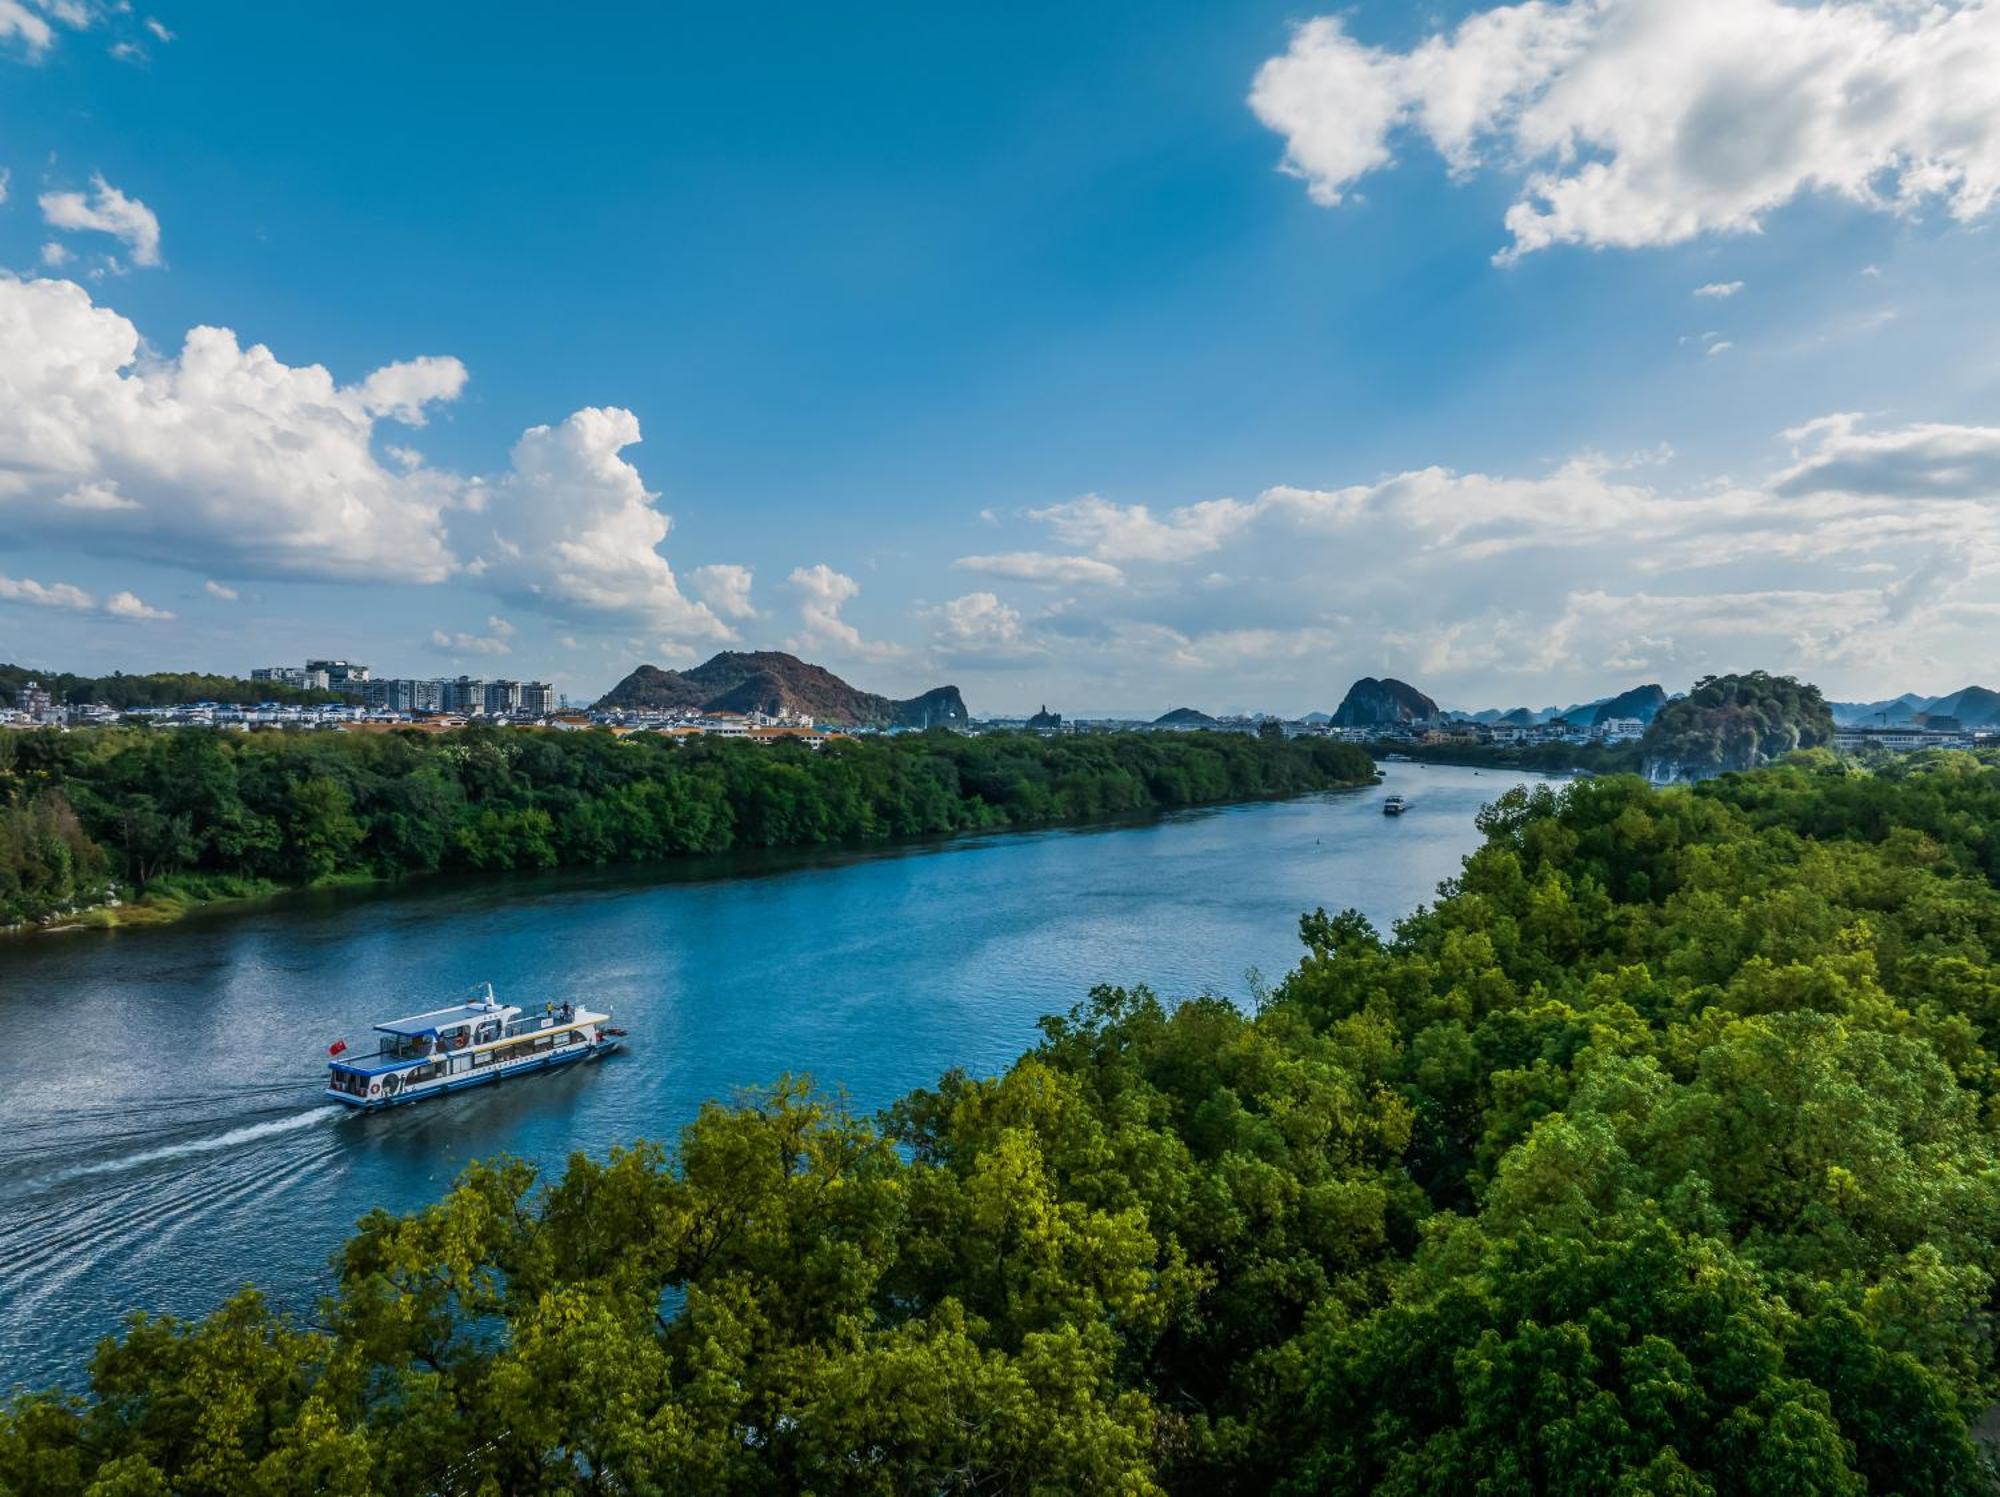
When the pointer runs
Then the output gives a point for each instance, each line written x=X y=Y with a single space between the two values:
x=1734 y=723
x=189 y=813
x=1659 y=1156
x=771 y=681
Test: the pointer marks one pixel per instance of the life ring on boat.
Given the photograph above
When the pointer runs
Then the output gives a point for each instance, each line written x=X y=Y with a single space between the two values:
x=374 y=1088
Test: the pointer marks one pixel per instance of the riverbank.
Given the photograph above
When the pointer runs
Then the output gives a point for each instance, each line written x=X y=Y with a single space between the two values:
x=174 y=896
x=160 y=811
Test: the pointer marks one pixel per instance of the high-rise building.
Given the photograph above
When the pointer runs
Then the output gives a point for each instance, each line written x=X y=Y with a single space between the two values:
x=341 y=675
x=503 y=698
x=466 y=695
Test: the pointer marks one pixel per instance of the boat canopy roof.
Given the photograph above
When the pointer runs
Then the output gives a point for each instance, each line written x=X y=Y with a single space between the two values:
x=445 y=1018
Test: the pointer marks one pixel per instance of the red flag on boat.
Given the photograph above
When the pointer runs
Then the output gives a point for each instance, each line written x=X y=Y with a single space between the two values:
x=336 y=1047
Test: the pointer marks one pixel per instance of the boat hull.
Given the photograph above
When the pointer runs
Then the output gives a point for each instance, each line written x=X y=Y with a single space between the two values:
x=554 y=1060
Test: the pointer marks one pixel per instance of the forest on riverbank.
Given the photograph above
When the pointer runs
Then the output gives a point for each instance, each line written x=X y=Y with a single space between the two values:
x=1658 y=1156
x=192 y=814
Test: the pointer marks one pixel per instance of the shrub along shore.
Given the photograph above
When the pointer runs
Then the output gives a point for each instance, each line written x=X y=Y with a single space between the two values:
x=175 y=817
x=1658 y=1156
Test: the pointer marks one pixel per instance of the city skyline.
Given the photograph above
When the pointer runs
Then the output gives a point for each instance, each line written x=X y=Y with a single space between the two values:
x=1524 y=352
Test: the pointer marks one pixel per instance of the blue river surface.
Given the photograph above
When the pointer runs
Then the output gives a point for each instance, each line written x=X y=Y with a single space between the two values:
x=164 y=1140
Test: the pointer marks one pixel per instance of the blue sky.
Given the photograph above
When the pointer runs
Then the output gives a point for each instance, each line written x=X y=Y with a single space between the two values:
x=998 y=347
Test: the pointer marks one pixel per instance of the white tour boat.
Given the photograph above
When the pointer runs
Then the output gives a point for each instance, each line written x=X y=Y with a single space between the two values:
x=469 y=1044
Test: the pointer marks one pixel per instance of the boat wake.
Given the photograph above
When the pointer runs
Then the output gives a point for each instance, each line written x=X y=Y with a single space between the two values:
x=234 y=1138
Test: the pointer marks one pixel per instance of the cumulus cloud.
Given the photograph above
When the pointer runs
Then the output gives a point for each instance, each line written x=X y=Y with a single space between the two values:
x=222 y=457
x=65 y=595
x=54 y=254
x=218 y=453
x=1043 y=567
x=1837 y=456
x=725 y=589
x=1121 y=533
x=822 y=593
x=123 y=605
x=1649 y=122
x=1458 y=578
x=1719 y=290
x=572 y=529
x=106 y=210
x=979 y=629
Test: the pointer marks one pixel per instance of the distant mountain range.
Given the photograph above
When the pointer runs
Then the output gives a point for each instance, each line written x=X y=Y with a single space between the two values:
x=1641 y=702
x=1973 y=706
x=771 y=681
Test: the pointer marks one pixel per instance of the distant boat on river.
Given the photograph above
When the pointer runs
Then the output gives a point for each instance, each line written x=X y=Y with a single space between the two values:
x=1395 y=805
x=468 y=1044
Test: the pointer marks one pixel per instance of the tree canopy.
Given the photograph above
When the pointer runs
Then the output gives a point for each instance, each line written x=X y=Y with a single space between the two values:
x=1657 y=1156
x=1736 y=722
x=196 y=810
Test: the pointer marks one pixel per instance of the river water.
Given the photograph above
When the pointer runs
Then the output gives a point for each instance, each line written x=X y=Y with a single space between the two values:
x=163 y=1140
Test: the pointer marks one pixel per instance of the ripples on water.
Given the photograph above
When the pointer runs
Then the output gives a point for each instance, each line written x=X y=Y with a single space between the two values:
x=163 y=1139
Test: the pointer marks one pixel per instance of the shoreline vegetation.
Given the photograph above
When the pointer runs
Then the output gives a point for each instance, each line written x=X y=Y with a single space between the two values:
x=117 y=827
x=1661 y=1154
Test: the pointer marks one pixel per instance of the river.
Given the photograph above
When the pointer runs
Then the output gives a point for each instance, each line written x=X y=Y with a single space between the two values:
x=163 y=1139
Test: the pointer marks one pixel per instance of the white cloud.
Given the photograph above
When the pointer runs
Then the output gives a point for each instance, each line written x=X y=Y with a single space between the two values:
x=6 y=176
x=1572 y=578
x=572 y=529
x=980 y=629
x=402 y=391
x=494 y=642
x=65 y=595
x=122 y=605
x=19 y=24
x=53 y=595
x=1719 y=345
x=1124 y=533
x=218 y=454
x=216 y=590
x=227 y=458
x=159 y=29
x=55 y=255
x=1650 y=122
x=822 y=593
x=1043 y=567
x=1719 y=290
x=106 y=210
x=725 y=589
x=1835 y=456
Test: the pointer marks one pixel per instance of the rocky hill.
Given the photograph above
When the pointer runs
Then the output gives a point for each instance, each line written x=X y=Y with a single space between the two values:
x=1973 y=706
x=1734 y=723
x=1184 y=717
x=771 y=681
x=1370 y=703
x=1642 y=702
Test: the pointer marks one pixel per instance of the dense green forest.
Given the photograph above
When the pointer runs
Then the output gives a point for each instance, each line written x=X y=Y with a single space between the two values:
x=1657 y=1157
x=1736 y=722
x=190 y=812
x=156 y=688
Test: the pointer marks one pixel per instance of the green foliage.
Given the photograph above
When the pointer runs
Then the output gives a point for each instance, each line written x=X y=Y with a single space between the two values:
x=1737 y=722
x=157 y=688
x=1658 y=1156
x=189 y=808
